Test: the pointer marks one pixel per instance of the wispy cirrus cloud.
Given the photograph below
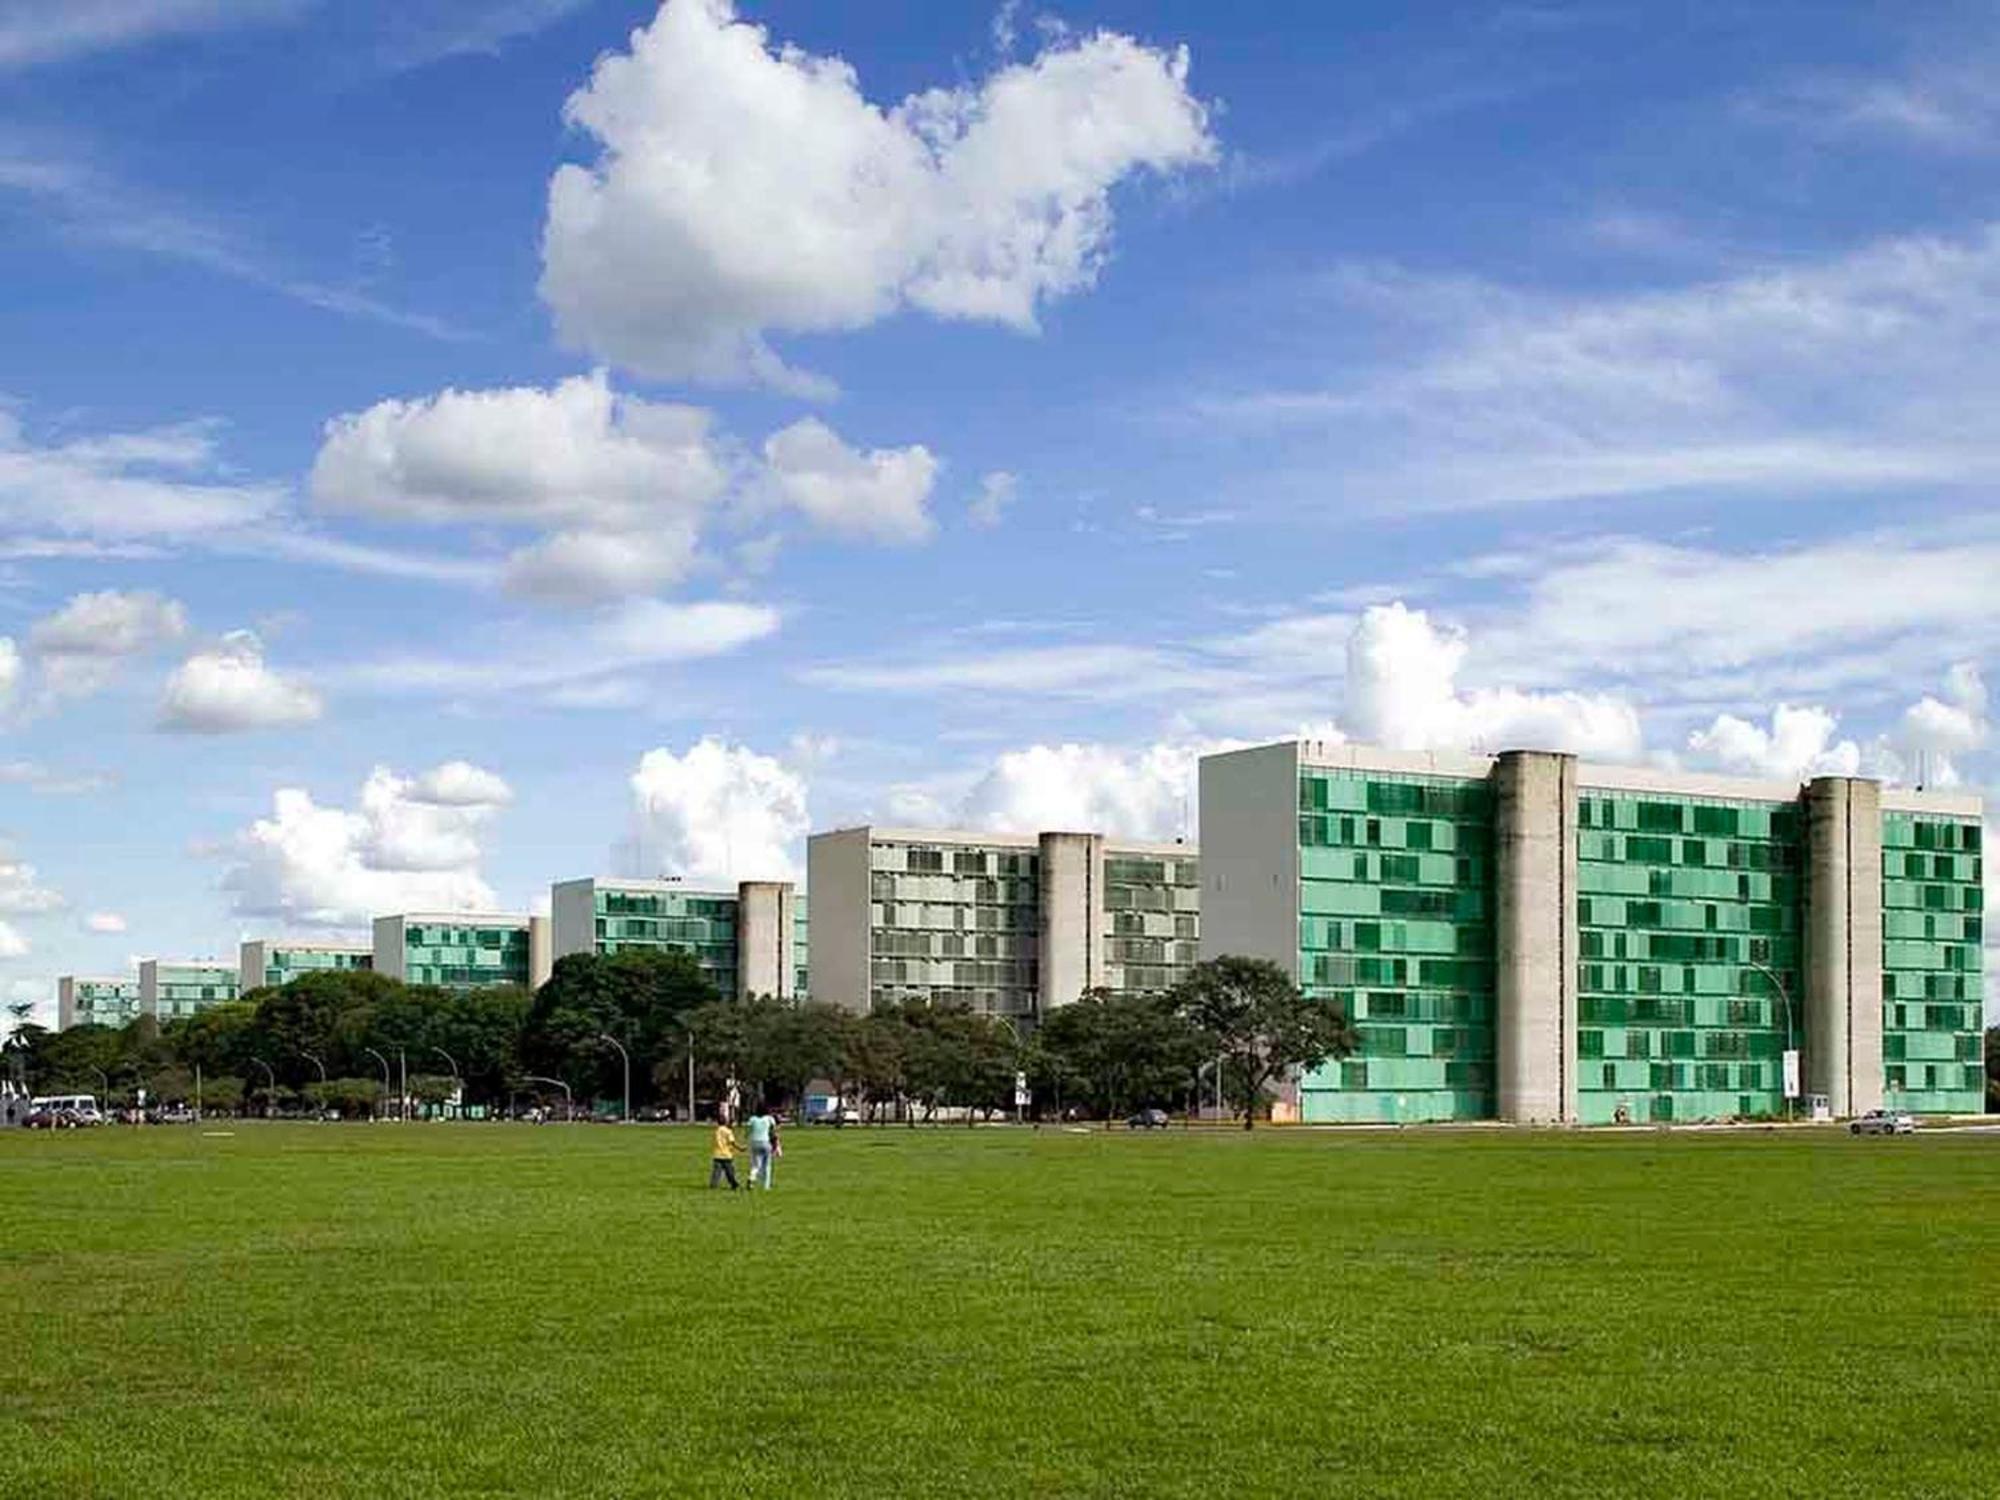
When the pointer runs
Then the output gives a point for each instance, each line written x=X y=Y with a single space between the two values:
x=78 y=200
x=45 y=31
x=1873 y=370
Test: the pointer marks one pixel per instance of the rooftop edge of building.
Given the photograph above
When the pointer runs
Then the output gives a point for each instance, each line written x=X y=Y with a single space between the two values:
x=462 y=918
x=1008 y=840
x=659 y=883
x=1596 y=776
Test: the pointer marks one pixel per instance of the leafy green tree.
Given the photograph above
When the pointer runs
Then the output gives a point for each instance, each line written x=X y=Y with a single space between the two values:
x=351 y=1097
x=790 y=1045
x=1259 y=1024
x=1118 y=1052
x=222 y=1095
x=876 y=1062
x=638 y=996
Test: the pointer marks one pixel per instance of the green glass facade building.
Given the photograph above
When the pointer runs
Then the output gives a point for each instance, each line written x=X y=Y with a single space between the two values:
x=1395 y=930
x=461 y=950
x=173 y=991
x=96 y=1000
x=747 y=941
x=1932 y=952
x=1523 y=937
x=262 y=962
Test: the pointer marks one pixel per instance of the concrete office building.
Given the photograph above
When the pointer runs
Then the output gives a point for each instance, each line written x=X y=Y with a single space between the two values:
x=1529 y=938
x=172 y=990
x=749 y=941
x=462 y=950
x=264 y=961
x=95 y=1000
x=1009 y=924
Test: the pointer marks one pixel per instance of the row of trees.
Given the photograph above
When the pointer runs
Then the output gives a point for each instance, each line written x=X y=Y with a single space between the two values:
x=347 y=1040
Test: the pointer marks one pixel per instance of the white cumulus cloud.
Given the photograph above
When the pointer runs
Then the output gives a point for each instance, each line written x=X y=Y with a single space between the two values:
x=1798 y=745
x=12 y=944
x=104 y=921
x=718 y=814
x=1402 y=692
x=10 y=669
x=401 y=848
x=228 y=688
x=80 y=647
x=617 y=486
x=1148 y=793
x=740 y=189
x=459 y=783
x=879 y=493
x=602 y=496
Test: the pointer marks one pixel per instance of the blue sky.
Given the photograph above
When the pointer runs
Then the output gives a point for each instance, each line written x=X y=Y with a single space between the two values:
x=449 y=446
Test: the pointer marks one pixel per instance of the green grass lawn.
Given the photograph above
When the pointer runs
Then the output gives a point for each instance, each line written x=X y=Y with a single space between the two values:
x=468 y=1310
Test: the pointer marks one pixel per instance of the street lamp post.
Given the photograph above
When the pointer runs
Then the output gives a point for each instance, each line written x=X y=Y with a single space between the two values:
x=457 y=1080
x=1791 y=1031
x=1015 y=1032
x=270 y=1085
x=107 y=1084
x=313 y=1058
x=626 y=1058
x=386 y=1084
x=403 y=1072
x=569 y=1100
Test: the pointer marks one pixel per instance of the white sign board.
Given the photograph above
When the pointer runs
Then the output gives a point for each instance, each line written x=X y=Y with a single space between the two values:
x=1791 y=1072
x=1021 y=1099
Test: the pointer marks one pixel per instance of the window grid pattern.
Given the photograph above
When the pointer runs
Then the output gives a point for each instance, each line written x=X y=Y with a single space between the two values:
x=186 y=990
x=954 y=923
x=1396 y=930
x=460 y=956
x=105 y=1002
x=701 y=923
x=800 y=966
x=1932 y=961
x=1152 y=921
x=1678 y=900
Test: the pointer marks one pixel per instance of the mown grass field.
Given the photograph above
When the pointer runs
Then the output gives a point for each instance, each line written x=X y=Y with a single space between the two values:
x=509 y=1310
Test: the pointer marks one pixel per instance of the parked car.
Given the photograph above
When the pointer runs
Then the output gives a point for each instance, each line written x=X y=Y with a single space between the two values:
x=1149 y=1119
x=1883 y=1122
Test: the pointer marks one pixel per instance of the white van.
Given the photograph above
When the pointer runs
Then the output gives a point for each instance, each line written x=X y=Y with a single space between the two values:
x=81 y=1108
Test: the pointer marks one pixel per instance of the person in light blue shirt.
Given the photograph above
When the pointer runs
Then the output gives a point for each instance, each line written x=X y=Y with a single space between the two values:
x=763 y=1131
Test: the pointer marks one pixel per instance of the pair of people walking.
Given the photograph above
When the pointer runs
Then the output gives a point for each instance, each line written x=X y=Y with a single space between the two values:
x=765 y=1149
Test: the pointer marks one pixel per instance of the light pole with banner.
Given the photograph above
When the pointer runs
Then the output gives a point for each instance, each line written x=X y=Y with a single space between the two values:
x=1792 y=1079
x=457 y=1082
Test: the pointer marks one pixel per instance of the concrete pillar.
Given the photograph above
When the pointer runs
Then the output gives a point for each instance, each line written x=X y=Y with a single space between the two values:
x=1843 y=943
x=1535 y=930
x=766 y=939
x=541 y=952
x=1072 y=918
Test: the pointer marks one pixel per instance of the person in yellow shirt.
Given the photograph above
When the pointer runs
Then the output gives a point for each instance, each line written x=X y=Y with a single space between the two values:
x=722 y=1159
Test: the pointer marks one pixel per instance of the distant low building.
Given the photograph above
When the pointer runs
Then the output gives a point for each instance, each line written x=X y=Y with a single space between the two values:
x=174 y=989
x=96 y=1000
x=269 y=962
x=462 y=950
x=1010 y=924
x=747 y=941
